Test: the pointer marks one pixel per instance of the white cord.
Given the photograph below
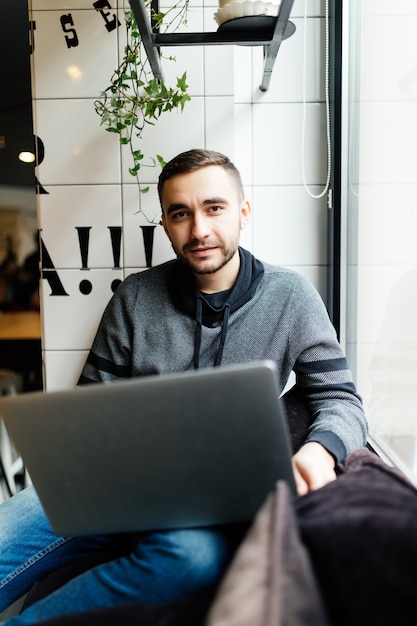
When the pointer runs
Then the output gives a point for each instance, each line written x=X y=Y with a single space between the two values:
x=326 y=78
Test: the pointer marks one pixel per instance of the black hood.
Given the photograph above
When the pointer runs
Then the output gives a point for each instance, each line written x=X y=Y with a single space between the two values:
x=189 y=300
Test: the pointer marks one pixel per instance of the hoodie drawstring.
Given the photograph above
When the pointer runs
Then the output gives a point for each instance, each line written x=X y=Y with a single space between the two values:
x=225 y=324
x=210 y=309
x=198 y=333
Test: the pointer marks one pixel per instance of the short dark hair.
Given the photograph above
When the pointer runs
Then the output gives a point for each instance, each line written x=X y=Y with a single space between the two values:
x=195 y=159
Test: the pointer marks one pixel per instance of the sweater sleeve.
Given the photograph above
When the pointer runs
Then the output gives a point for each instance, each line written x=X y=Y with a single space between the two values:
x=110 y=354
x=323 y=376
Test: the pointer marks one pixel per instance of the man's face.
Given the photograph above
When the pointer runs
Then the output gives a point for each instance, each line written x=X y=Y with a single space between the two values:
x=203 y=216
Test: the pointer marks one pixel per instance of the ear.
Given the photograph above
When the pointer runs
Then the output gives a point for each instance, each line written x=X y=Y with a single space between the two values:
x=245 y=212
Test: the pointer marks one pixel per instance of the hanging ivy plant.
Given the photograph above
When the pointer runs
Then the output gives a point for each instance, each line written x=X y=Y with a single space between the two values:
x=135 y=98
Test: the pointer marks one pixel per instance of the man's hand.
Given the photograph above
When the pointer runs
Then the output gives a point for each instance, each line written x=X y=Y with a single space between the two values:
x=313 y=467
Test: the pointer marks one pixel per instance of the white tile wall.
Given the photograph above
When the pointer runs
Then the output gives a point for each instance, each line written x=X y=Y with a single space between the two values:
x=66 y=209
x=313 y=8
x=193 y=64
x=77 y=150
x=173 y=133
x=284 y=216
x=190 y=60
x=277 y=130
x=132 y=222
x=218 y=125
x=287 y=78
x=62 y=368
x=70 y=321
x=80 y=71
x=61 y=5
x=85 y=170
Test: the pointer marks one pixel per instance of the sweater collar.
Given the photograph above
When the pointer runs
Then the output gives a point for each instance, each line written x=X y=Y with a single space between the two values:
x=189 y=300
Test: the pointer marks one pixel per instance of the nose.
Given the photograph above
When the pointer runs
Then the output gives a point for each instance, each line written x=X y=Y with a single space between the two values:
x=200 y=227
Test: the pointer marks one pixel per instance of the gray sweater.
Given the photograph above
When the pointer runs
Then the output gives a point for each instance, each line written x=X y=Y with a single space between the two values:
x=143 y=333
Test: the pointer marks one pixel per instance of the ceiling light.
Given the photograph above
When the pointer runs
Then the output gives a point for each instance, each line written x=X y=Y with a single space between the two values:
x=26 y=157
x=74 y=72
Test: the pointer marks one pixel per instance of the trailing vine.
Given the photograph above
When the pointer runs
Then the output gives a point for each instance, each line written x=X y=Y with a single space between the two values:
x=135 y=98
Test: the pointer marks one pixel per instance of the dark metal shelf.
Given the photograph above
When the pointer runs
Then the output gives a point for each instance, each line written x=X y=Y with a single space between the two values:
x=265 y=31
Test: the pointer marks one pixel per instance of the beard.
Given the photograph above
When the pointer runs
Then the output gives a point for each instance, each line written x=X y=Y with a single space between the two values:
x=201 y=267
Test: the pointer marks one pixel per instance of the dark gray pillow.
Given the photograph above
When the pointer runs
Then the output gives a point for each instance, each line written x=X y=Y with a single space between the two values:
x=361 y=533
x=270 y=581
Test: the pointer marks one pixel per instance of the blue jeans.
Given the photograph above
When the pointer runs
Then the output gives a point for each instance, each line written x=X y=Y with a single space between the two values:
x=162 y=567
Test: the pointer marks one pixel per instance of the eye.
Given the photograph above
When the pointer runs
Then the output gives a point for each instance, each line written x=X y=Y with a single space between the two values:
x=178 y=215
x=216 y=208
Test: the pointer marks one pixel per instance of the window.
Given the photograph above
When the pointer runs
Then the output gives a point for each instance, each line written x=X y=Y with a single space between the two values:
x=379 y=207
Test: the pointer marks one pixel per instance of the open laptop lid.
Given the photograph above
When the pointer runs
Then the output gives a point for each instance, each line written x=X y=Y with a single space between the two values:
x=181 y=450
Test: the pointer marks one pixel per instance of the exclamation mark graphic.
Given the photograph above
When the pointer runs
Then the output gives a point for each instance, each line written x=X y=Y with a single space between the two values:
x=84 y=241
x=116 y=239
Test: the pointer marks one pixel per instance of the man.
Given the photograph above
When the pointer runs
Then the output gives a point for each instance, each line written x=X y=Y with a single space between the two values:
x=215 y=305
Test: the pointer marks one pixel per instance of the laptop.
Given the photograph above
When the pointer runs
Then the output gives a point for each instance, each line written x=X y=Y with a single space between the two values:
x=191 y=449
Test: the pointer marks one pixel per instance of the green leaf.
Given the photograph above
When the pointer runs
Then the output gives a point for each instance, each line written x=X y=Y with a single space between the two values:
x=134 y=97
x=181 y=82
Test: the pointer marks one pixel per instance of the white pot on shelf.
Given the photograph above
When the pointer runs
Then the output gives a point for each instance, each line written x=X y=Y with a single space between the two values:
x=244 y=8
